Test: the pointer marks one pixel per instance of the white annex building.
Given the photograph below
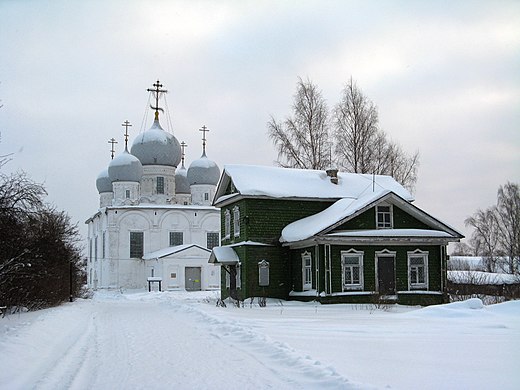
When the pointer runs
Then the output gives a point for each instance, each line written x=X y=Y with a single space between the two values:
x=155 y=222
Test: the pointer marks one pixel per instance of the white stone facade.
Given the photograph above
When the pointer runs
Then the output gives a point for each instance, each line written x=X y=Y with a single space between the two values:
x=110 y=264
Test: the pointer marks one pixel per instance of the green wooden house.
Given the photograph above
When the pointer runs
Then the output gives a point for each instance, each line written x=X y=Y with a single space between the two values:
x=335 y=237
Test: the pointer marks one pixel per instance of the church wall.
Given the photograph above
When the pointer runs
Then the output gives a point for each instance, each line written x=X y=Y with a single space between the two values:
x=202 y=194
x=117 y=269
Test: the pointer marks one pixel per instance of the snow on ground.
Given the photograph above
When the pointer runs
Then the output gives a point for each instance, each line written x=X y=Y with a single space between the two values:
x=182 y=340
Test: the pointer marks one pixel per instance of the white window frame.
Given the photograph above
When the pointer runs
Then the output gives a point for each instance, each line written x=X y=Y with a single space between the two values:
x=347 y=284
x=414 y=285
x=390 y=213
x=227 y=224
x=228 y=276
x=263 y=273
x=236 y=221
x=306 y=271
x=238 y=277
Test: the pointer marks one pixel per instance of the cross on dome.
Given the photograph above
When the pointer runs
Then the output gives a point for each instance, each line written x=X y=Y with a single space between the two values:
x=156 y=92
x=204 y=130
x=112 y=151
x=183 y=146
x=126 y=124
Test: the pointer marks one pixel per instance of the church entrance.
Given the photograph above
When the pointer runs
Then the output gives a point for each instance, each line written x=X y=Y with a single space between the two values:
x=192 y=278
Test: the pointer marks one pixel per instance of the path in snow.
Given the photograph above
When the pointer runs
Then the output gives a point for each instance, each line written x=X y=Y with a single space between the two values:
x=150 y=343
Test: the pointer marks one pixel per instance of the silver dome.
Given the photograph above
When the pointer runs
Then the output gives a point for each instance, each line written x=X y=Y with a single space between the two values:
x=103 y=182
x=157 y=147
x=203 y=171
x=125 y=167
x=182 y=186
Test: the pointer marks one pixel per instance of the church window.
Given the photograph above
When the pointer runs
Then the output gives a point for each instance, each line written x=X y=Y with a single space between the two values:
x=136 y=245
x=384 y=217
x=160 y=185
x=95 y=248
x=103 y=245
x=227 y=224
x=236 y=221
x=307 y=271
x=176 y=238
x=212 y=240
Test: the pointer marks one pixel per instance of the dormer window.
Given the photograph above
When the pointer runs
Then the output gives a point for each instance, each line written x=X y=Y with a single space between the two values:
x=384 y=218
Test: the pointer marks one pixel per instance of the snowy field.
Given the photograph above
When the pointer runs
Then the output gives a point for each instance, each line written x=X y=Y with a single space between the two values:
x=180 y=340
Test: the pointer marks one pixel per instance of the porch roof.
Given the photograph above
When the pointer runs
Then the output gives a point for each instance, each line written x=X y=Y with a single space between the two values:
x=223 y=255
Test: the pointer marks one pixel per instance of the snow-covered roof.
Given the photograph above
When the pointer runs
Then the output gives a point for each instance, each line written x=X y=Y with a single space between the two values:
x=309 y=226
x=223 y=255
x=170 y=251
x=344 y=209
x=275 y=182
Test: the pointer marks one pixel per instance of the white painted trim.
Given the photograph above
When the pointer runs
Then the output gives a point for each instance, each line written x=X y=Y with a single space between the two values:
x=360 y=256
x=236 y=221
x=304 y=256
x=426 y=284
x=384 y=204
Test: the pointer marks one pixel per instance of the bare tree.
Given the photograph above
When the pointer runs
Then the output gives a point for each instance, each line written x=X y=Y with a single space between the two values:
x=462 y=249
x=356 y=132
x=507 y=213
x=497 y=230
x=485 y=236
x=302 y=141
x=40 y=256
x=362 y=147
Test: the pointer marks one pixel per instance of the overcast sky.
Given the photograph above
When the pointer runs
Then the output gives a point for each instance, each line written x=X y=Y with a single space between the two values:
x=445 y=76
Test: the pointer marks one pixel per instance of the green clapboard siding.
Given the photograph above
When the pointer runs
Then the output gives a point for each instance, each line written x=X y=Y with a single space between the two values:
x=262 y=220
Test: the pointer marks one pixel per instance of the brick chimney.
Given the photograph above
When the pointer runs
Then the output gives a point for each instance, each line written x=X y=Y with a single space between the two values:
x=333 y=174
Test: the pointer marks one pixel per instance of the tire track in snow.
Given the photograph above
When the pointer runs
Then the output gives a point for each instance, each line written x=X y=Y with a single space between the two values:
x=74 y=369
x=298 y=371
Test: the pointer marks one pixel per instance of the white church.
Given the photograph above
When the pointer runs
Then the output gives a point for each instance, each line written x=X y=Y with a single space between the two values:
x=155 y=226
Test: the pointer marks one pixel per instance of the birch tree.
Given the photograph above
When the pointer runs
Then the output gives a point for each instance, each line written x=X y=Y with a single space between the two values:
x=362 y=147
x=497 y=231
x=302 y=140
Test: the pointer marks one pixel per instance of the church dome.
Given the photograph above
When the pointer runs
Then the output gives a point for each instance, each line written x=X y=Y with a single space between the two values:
x=182 y=186
x=103 y=182
x=125 y=167
x=203 y=171
x=157 y=147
